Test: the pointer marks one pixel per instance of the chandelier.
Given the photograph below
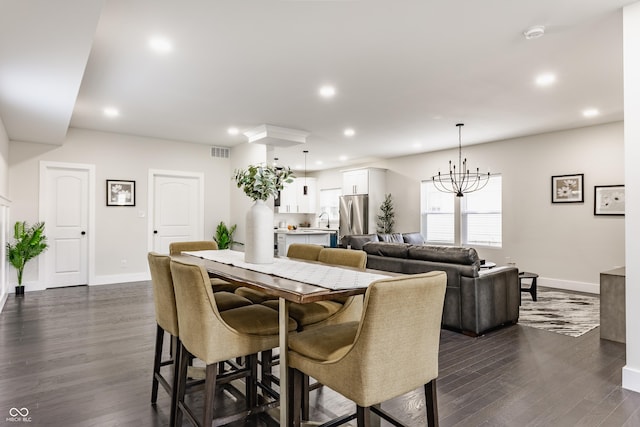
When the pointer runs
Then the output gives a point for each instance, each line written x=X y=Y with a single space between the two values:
x=460 y=180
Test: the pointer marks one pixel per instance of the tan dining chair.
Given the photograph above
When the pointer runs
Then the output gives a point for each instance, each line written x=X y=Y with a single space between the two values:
x=391 y=351
x=321 y=313
x=167 y=322
x=303 y=251
x=214 y=336
x=176 y=248
x=333 y=311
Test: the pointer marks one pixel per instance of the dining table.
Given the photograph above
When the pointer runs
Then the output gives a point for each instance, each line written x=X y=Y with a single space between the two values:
x=304 y=285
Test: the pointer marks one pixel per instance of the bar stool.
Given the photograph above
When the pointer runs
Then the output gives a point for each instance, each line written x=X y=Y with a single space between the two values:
x=392 y=350
x=214 y=336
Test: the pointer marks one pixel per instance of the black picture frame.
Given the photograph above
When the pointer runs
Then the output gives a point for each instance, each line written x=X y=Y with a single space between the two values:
x=608 y=200
x=567 y=188
x=121 y=192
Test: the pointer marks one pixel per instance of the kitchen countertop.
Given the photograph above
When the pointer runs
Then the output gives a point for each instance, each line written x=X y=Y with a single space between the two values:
x=305 y=230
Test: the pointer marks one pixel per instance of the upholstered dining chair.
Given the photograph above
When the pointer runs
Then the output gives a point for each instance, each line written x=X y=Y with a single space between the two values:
x=335 y=311
x=303 y=251
x=317 y=314
x=176 y=248
x=167 y=322
x=214 y=336
x=392 y=350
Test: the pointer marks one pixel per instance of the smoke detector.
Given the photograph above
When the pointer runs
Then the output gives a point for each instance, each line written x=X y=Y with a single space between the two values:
x=534 y=32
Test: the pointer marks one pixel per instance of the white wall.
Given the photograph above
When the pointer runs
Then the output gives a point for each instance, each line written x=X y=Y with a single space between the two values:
x=564 y=243
x=120 y=232
x=631 y=37
x=242 y=156
x=4 y=210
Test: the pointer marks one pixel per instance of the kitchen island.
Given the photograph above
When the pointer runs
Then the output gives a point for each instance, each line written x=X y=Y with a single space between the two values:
x=302 y=235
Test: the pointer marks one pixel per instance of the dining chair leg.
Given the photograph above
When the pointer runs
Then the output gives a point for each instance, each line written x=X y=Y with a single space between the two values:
x=295 y=395
x=431 y=398
x=251 y=382
x=177 y=354
x=304 y=396
x=364 y=416
x=181 y=383
x=209 y=393
x=157 y=360
x=266 y=359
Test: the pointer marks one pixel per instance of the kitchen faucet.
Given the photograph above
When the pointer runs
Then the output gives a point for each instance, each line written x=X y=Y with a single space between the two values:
x=320 y=217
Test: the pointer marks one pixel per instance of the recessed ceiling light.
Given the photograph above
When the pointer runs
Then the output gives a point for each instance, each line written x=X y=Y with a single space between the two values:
x=233 y=131
x=417 y=144
x=298 y=167
x=546 y=79
x=534 y=32
x=327 y=91
x=160 y=45
x=590 y=112
x=349 y=132
x=318 y=162
x=111 y=112
x=343 y=158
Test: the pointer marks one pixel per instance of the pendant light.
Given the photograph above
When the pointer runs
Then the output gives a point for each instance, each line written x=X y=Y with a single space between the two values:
x=305 y=189
x=460 y=180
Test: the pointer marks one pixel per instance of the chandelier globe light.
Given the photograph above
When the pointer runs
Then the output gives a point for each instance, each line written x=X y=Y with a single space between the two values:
x=460 y=180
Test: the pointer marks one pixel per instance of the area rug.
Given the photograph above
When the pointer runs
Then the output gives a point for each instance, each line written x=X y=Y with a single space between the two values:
x=560 y=312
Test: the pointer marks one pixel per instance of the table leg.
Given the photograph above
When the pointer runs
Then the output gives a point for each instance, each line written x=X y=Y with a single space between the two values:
x=284 y=375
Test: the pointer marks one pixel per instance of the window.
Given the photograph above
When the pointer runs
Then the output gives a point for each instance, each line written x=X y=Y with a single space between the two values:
x=330 y=202
x=437 y=216
x=482 y=215
x=479 y=214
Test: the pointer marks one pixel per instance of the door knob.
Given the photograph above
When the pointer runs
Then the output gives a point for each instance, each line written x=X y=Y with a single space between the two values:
x=83 y=232
x=155 y=231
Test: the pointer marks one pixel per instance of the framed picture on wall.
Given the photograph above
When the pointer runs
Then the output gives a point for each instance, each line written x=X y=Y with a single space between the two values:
x=567 y=188
x=608 y=200
x=121 y=193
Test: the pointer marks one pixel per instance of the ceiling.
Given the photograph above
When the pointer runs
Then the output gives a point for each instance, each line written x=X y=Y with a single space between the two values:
x=404 y=72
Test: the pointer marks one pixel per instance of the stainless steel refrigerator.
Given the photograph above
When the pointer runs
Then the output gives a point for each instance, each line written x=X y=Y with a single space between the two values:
x=354 y=214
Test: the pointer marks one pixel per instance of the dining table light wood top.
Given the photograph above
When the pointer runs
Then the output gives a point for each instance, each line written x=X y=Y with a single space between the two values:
x=287 y=291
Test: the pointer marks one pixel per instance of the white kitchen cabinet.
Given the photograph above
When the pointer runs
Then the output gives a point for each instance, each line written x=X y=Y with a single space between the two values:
x=370 y=181
x=293 y=199
x=355 y=182
x=363 y=181
x=287 y=238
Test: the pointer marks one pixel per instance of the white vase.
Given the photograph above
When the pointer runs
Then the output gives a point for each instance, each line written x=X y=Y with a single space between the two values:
x=259 y=243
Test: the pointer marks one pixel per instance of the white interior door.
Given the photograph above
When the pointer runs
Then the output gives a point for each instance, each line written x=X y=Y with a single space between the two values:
x=65 y=203
x=177 y=208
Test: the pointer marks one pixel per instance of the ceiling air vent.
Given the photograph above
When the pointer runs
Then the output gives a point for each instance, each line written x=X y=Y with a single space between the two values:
x=222 y=152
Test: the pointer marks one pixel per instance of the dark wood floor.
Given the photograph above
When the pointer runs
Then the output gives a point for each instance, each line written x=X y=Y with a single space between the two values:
x=82 y=357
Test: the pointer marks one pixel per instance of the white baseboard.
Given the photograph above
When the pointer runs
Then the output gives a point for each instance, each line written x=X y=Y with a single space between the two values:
x=631 y=379
x=97 y=280
x=3 y=301
x=569 y=285
x=120 y=278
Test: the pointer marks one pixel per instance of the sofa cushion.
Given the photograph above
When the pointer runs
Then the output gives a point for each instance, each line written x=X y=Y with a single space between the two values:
x=413 y=238
x=356 y=241
x=391 y=238
x=448 y=254
x=395 y=250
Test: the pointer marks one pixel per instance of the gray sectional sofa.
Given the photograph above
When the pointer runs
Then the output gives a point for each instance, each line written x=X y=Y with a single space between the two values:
x=476 y=300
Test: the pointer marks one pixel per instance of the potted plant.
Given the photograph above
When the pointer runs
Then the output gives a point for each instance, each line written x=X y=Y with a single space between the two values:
x=30 y=242
x=386 y=218
x=259 y=183
x=224 y=235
